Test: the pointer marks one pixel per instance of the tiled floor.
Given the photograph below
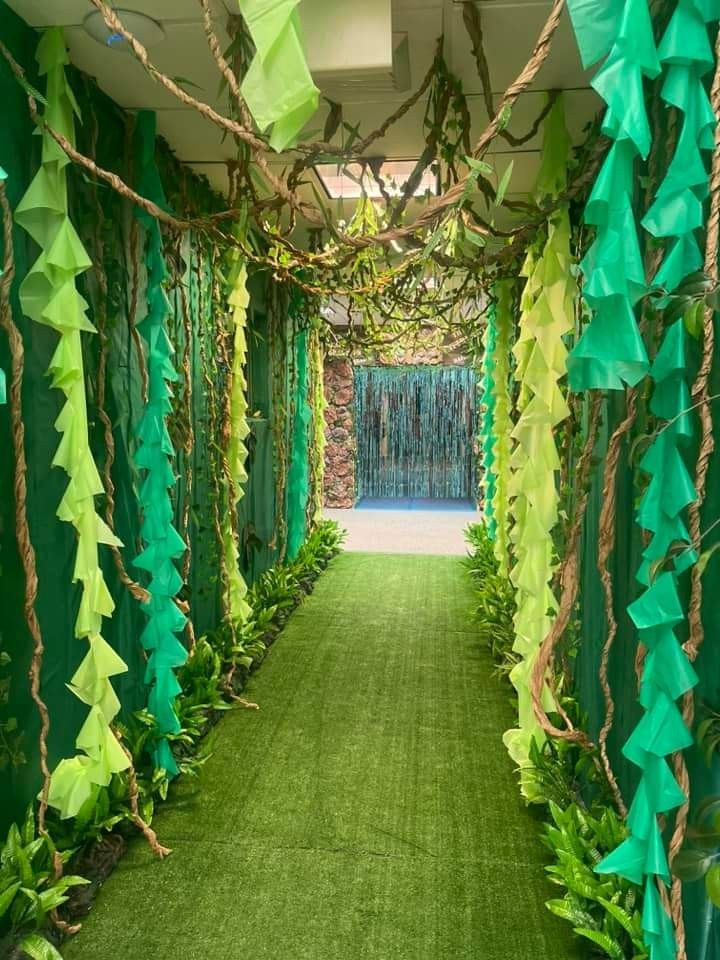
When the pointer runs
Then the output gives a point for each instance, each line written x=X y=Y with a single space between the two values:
x=405 y=531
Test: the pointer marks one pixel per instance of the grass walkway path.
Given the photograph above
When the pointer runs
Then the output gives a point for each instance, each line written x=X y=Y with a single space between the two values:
x=369 y=810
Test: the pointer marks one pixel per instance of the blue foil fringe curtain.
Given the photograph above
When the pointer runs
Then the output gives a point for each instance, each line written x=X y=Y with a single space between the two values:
x=415 y=428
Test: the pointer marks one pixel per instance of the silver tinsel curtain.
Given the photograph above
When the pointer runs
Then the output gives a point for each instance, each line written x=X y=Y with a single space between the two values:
x=415 y=428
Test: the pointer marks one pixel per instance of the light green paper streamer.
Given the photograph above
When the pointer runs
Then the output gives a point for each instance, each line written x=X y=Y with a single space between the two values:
x=278 y=88
x=238 y=302
x=676 y=214
x=502 y=422
x=49 y=296
x=610 y=353
x=487 y=422
x=547 y=316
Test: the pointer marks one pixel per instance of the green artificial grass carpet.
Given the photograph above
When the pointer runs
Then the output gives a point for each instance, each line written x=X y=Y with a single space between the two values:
x=368 y=810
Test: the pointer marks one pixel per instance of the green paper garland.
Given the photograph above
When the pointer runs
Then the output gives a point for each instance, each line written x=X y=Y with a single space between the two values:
x=611 y=351
x=162 y=544
x=502 y=422
x=547 y=317
x=49 y=296
x=487 y=422
x=676 y=213
x=298 y=474
x=237 y=454
x=278 y=88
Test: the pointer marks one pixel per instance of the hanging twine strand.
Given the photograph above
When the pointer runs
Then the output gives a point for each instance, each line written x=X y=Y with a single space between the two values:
x=22 y=529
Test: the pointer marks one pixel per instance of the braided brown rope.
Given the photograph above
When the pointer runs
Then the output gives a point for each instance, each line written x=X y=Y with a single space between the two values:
x=434 y=209
x=22 y=529
x=569 y=582
x=701 y=397
x=133 y=797
x=606 y=545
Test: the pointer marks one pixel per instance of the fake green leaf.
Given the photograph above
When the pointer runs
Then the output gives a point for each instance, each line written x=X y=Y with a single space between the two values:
x=504 y=117
x=38 y=948
x=712 y=884
x=504 y=184
x=691 y=865
x=7 y=897
x=184 y=82
x=704 y=558
x=606 y=943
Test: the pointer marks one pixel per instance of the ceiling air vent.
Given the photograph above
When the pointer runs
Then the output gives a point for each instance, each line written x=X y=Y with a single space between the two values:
x=351 y=48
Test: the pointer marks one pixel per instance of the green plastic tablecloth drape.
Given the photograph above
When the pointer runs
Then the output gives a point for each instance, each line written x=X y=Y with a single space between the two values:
x=162 y=544
x=236 y=604
x=611 y=352
x=278 y=88
x=675 y=215
x=49 y=295
x=547 y=316
x=503 y=423
x=3 y=378
x=487 y=422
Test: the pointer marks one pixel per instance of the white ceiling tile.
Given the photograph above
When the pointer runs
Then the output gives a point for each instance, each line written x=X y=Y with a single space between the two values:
x=184 y=53
x=510 y=33
x=52 y=13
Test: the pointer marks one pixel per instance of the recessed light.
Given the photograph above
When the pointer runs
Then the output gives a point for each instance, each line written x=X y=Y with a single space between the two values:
x=148 y=31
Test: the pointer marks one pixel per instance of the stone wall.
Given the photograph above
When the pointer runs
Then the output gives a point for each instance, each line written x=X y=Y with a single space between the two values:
x=340 y=434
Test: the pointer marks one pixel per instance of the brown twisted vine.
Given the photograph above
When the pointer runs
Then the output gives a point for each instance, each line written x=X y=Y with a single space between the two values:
x=434 y=209
x=701 y=397
x=22 y=529
x=569 y=583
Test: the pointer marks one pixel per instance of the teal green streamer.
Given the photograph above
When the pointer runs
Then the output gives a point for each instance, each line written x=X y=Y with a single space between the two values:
x=298 y=474
x=487 y=423
x=676 y=214
x=610 y=351
x=162 y=544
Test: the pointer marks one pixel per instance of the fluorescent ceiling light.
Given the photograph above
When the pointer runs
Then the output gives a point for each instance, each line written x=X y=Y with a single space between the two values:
x=148 y=31
x=346 y=181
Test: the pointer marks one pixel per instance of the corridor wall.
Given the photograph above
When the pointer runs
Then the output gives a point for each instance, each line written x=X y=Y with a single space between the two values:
x=115 y=290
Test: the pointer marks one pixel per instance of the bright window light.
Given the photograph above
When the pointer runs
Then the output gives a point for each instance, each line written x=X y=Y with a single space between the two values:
x=347 y=181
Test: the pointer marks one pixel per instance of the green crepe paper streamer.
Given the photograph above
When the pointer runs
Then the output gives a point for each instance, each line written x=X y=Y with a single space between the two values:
x=502 y=426
x=3 y=379
x=487 y=422
x=297 y=485
x=668 y=674
x=611 y=352
x=237 y=454
x=162 y=544
x=278 y=88
x=547 y=317
x=49 y=296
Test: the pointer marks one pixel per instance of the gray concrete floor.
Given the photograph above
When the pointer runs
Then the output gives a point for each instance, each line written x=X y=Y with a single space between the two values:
x=405 y=531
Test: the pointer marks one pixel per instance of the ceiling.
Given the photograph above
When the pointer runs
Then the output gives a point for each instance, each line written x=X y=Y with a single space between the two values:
x=510 y=28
